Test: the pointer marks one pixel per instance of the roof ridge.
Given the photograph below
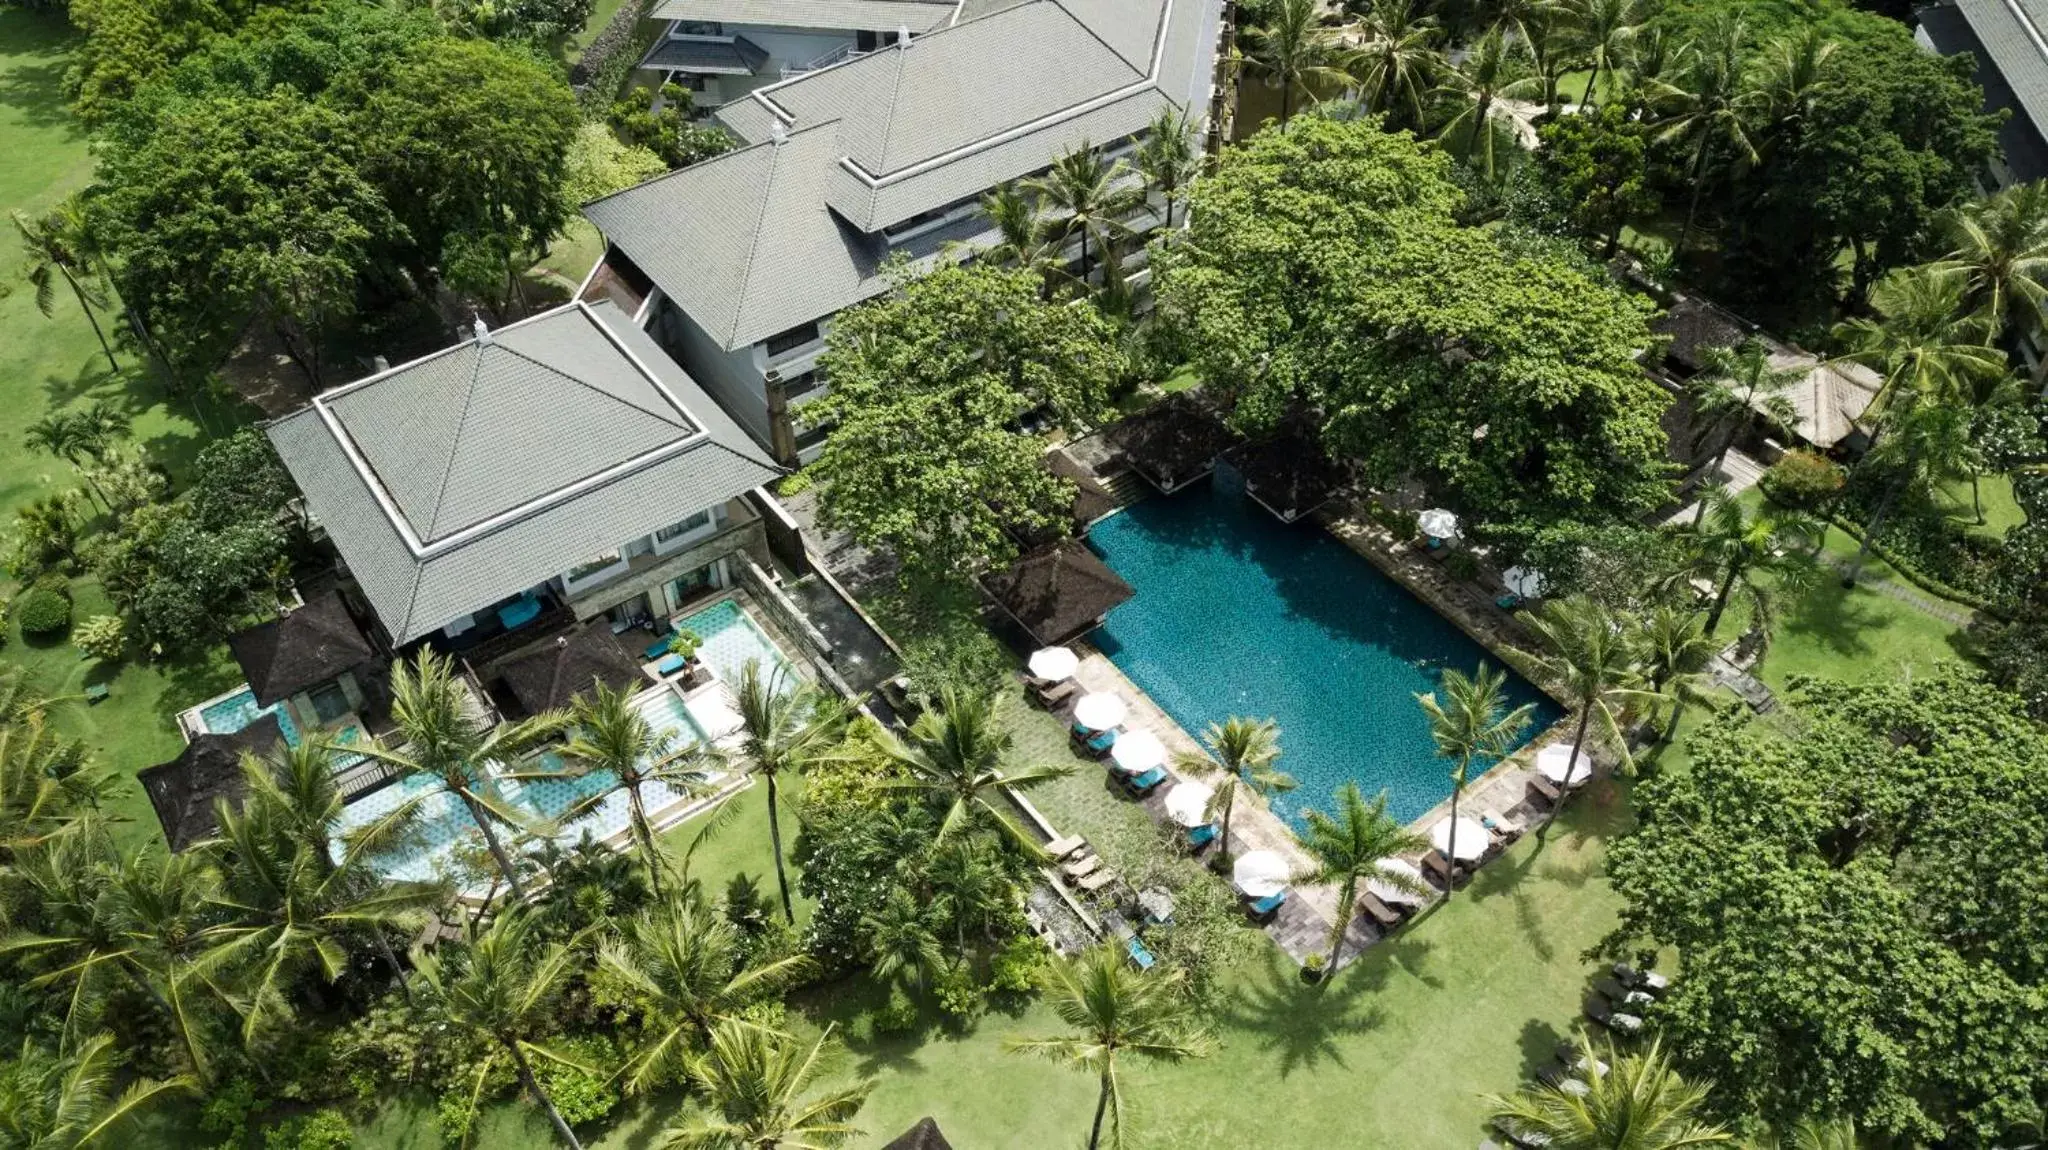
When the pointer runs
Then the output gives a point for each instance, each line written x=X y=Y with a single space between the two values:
x=739 y=303
x=678 y=422
x=895 y=94
x=1144 y=70
x=447 y=469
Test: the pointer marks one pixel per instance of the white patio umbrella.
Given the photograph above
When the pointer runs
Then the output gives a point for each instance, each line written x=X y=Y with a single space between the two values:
x=1438 y=523
x=1137 y=751
x=1188 y=804
x=1099 y=711
x=1054 y=663
x=1554 y=760
x=1260 y=874
x=1471 y=841
x=1388 y=892
x=1525 y=581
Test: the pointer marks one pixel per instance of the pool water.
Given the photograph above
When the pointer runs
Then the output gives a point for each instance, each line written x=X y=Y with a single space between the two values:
x=238 y=710
x=1238 y=614
x=731 y=638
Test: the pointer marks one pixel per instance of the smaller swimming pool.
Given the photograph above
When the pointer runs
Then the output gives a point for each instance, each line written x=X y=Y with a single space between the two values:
x=237 y=711
x=731 y=638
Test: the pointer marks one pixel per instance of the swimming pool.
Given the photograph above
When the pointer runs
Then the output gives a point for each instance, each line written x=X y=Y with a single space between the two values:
x=731 y=638
x=1237 y=614
x=237 y=711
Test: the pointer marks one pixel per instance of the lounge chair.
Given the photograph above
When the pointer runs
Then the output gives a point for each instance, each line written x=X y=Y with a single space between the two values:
x=1082 y=867
x=1201 y=836
x=1598 y=1011
x=1096 y=743
x=1142 y=785
x=1610 y=989
x=1053 y=695
x=1436 y=866
x=1508 y=829
x=1546 y=788
x=1097 y=881
x=656 y=649
x=1140 y=955
x=1062 y=847
x=1648 y=981
x=1387 y=917
x=1508 y=602
x=1265 y=908
x=1527 y=1139
x=669 y=665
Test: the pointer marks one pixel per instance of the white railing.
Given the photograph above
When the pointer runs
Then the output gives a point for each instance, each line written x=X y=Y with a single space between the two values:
x=842 y=52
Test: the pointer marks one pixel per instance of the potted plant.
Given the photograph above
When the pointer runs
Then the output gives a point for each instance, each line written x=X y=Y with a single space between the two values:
x=685 y=643
x=1312 y=968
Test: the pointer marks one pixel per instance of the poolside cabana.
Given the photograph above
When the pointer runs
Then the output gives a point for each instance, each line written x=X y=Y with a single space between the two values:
x=1092 y=501
x=1173 y=442
x=316 y=660
x=550 y=675
x=1289 y=475
x=1057 y=593
x=923 y=1136
x=184 y=790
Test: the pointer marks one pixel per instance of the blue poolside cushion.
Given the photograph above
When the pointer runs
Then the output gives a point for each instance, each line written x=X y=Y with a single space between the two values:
x=1102 y=741
x=669 y=665
x=1150 y=779
x=1202 y=835
x=1270 y=903
x=1139 y=953
x=519 y=613
x=1508 y=602
x=655 y=649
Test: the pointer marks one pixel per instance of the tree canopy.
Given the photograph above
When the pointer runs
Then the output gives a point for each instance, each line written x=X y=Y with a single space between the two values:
x=929 y=383
x=1858 y=904
x=1323 y=268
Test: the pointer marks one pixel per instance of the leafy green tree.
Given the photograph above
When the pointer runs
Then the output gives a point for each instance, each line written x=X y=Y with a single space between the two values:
x=1246 y=750
x=1727 y=395
x=667 y=131
x=1348 y=847
x=956 y=755
x=1472 y=723
x=181 y=582
x=1757 y=554
x=60 y=246
x=788 y=725
x=1397 y=64
x=757 y=1086
x=1113 y=1010
x=1674 y=653
x=49 y=785
x=599 y=163
x=63 y=1101
x=612 y=735
x=686 y=969
x=927 y=459
x=128 y=43
x=504 y=988
x=238 y=478
x=1633 y=1100
x=1851 y=902
x=440 y=737
x=1293 y=51
x=1586 y=651
x=1599 y=164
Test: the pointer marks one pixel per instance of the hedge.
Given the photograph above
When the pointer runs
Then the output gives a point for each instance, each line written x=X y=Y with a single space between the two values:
x=608 y=61
x=42 y=612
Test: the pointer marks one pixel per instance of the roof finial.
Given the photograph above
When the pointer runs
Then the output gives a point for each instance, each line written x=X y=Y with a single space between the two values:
x=483 y=331
x=903 y=35
x=778 y=132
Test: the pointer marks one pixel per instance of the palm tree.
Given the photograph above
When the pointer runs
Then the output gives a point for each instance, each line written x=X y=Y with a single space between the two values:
x=1553 y=44
x=1793 y=74
x=1998 y=248
x=1715 y=106
x=442 y=738
x=1603 y=30
x=502 y=987
x=100 y=428
x=1924 y=343
x=60 y=246
x=68 y=436
x=1245 y=749
x=1113 y=1010
x=1168 y=159
x=1024 y=240
x=688 y=968
x=969 y=886
x=1588 y=654
x=1738 y=381
x=1675 y=650
x=1348 y=848
x=1813 y=1134
x=1472 y=722
x=786 y=725
x=1922 y=445
x=955 y=754
x=1293 y=51
x=48 y=787
x=65 y=1101
x=758 y=1084
x=1088 y=196
x=899 y=942
x=1644 y=68
x=1396 y=66
x=612 y=735
x=1755 y=552
x=1492 y=71
x=1630 y=1102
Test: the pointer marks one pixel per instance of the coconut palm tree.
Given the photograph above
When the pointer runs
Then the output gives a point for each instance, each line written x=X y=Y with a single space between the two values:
x=1588 y=655
x=1348 y=847
x=1472 y=723
x=786 y=725
x=441 y=737
x=1998 y=248
x=1812 y=1134
x=612 y=735
x=101 y=427
x=51 y=1101
x=1293 y=51
x=1397 y=64
x=1646 y=69
x=969 y=886
x=688 y=969
x=1756 y=553
x=49 y=787
x=1088 y=196
x=1714 y=108
x=1924 y=342
x=1922 y=444
x=1494 y=69
x=1024 y=238
x=1245 y=749
x=1114 y=1010
x=1674 y=651
x=898 y=939
x=757 y=1082
x=503 y=988
x=955 y=754
x=68 y=436
x=1168 y=158
x=60 y=246
x=1793 y=73
x=1736 y=383
x=1603 y=31
x=1631 y=1101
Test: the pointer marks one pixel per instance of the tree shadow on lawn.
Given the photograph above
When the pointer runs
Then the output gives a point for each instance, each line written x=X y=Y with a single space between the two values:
x=1835 y=618
x=849 y=1003
x=1304 y=1023
x=36 y=90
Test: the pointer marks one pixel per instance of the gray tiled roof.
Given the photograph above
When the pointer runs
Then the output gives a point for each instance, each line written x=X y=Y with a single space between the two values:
x=736 y=57
x=744 y=243
x=2011 y=32
x=510 y=461
x=854 y=15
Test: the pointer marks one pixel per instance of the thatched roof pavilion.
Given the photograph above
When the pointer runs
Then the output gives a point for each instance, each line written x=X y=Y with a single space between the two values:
x=923 y=1136
x=315 y=644
x=184 y=790
x=552 y=673
x=1172 y=443
x=1288 y=474
x=1057 y=592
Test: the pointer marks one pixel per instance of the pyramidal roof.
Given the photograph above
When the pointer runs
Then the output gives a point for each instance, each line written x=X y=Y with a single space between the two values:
x=504 y=421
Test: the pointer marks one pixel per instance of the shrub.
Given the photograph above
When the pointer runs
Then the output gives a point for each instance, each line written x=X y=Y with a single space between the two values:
x=1014 y=968
x=898 y=1015
x=582 y=1095
x=55 y=583
x=1803 y=481
x=101 y=637
x=1462 y=565
x=43 y=612
x=327 y=1129
x=795 y=483
x=959 y=999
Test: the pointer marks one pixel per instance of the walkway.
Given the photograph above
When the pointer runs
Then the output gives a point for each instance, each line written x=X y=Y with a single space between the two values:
x=1950 y=612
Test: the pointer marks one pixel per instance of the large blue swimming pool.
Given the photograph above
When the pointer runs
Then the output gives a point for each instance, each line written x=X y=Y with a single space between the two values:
x=1237 y=614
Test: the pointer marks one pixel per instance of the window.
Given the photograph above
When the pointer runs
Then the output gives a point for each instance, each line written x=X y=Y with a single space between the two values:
x=584 y=571
x=330 y=703
x=804 y=384
x=679 y=530
x=792 y=339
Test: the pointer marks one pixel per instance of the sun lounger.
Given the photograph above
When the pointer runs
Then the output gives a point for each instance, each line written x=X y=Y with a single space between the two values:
x=1645 y=980
x=669 y=665
x=656 y=648
x=1140 y=955
x=1096 y=743
x=1546 y=788
x=1266 y=907
x=1610 y=989
x=1062 y=847
x=1146 y=783
x=1508 y=602
x=1598 y=1011
x=1436 y=866
x=1053 y=696
x=1201 y=836
x=1097 y=881
x=1386 y=916
x=1528 y=1140
x=1082 y=867
x=1499 y=824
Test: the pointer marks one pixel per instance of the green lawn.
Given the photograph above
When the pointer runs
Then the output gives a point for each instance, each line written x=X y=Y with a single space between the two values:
x=2001 y=512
